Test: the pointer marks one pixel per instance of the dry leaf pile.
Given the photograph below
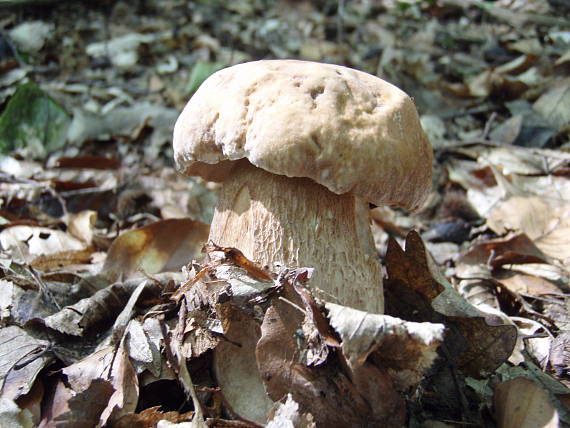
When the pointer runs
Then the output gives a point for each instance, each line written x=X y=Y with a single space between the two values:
x=110 y=315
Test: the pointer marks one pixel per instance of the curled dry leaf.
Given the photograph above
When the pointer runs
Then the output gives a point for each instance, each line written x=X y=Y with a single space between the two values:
x=512 y=249
x=416 y=290
x=102 y=308
x=521 y=403
x=407 y=349
x=112 y=366
x=545 y=222
x=335 y=398
x=164 y=245
x=228 y=283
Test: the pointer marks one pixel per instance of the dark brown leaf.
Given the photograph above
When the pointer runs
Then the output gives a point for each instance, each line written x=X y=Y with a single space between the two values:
x=416 y=290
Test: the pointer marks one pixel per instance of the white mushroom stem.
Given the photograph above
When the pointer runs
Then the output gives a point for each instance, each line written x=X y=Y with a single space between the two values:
x=297 y=222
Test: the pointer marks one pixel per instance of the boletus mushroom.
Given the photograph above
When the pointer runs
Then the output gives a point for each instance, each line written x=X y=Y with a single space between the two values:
x=301 y=148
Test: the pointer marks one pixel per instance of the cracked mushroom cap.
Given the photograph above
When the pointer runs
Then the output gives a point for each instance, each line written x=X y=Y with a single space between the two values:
x=345 y=129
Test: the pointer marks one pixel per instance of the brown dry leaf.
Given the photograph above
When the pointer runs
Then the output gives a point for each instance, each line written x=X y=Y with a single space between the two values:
x=407 y=349
x=416 y=290
x=328 y=393
x=149 y=418
x=528 y=284
x=68 y=259
x=110 y=365
x=161 y=246
x=32 y=401
x=81 y=409
x=521 y=403
x=228 y=273
x=546 y=223
x=495 y=253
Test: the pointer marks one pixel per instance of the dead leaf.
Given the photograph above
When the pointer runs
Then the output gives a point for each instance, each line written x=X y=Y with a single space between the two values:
x=330 y=395
x=546 y=223
x=82 y=225
x=22 y=357
x=528 y=284
x=80 y=415
x=32 y=241
x=521 y=403
x=160 y=246
x=407 y=349
x=417 y=291
x=95 y=162
x=236 y=369
x=499 y=252
x=101 y=309
x=149 y=418
x=110 y=366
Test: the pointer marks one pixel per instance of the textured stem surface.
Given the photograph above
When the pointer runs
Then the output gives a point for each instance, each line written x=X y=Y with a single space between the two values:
x=296 y=222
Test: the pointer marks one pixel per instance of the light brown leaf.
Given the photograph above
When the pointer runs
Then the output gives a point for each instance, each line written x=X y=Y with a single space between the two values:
x=544 y=222
x=164 y=245
x=521 y=403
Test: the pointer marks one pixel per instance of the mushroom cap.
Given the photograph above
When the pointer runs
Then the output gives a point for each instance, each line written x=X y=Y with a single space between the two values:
x=345 y=129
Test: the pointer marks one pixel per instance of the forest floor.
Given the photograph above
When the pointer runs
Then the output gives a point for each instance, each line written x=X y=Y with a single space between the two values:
x=94 y=216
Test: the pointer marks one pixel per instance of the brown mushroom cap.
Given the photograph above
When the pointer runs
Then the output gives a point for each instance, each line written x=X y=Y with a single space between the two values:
x=345 y=129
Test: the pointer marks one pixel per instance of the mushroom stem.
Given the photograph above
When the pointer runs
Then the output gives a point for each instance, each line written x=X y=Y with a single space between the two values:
x=297 y=222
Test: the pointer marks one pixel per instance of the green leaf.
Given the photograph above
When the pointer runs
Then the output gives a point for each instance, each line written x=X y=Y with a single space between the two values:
x=32 y=121
x=200 y=72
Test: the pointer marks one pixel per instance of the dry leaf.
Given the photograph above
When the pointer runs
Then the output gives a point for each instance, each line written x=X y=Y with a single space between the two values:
x=546 y=223
x=82 y=225
x=33 y=241
x=521 y=403
x=111 y=366
x=407 y=349
x=503 y=251
x=236 y=369
x=334 y=399
x=149 y=418
x=479 y=342
x=164 y=245
x=528 y=284
x=22 y=357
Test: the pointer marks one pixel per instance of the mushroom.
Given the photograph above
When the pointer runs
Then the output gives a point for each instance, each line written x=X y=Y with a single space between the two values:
x=301 y=148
